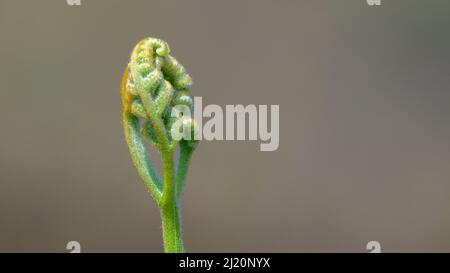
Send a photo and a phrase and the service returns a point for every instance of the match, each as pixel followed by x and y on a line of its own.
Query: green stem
pixel 172 237
pixel 170 215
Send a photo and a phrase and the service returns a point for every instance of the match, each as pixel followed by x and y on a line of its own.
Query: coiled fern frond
pixel 153 84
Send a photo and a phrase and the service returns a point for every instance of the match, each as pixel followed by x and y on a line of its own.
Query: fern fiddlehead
pixel 152 85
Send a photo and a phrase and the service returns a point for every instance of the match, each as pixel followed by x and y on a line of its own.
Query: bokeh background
pixel 364 95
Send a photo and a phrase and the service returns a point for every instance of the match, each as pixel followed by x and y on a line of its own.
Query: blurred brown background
pixel 364 96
